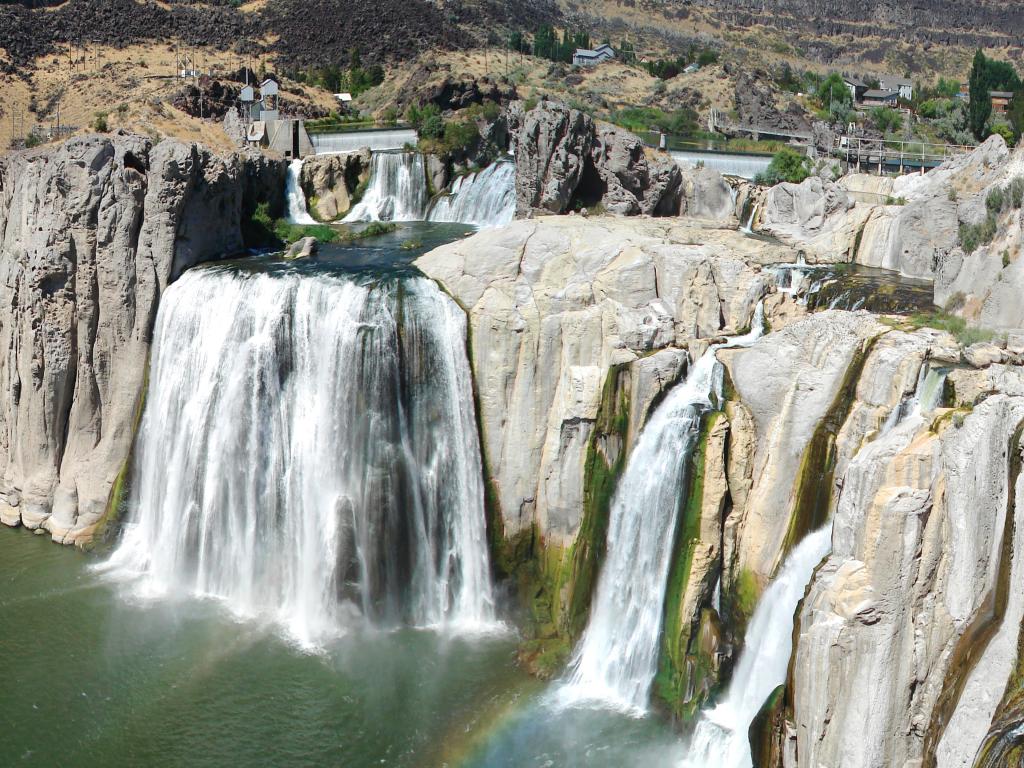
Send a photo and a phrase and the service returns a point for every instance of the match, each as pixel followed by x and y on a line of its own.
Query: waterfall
pixel 748 228
pixel 926 397
pixel 297 213
pixel 309 454
pixel 720 739
pixel 397 190
pixel 617 657
pixel 485 199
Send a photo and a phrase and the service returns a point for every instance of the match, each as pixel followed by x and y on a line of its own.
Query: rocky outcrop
pixel 92 232
pixel 330 181
pixel 706 195
pixel 947 225
pixel 566 161
pixel 916 543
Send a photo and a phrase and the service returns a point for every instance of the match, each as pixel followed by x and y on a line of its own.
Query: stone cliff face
pixel 91 234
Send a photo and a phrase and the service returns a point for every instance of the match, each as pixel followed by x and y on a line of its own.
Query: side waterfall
pixel 397 190
pixel 720 739
pixel 297 211
pixel 617 657
pixel 309 453
pixel 485 199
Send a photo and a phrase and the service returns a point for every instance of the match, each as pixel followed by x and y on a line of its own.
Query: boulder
pixel 303 248
pixel 635 180
pixel 552 147
pixel 331 180
pixel 983 354
pixel 706 195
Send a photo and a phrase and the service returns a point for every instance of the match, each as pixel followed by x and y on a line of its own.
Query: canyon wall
pixel 92 232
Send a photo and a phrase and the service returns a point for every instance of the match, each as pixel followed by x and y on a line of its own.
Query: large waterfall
pixel 297 212
pixel 486 198
pixel 618 654
pixel 720 739
pixel 397 190
pixel 309 453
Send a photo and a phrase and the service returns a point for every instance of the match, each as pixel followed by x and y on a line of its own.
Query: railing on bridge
pixel 881 155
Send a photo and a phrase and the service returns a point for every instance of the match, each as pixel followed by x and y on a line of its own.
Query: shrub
pixel 886 119
pixel 432 128
pixel 994 200
pixel 1006 258
pixel 32 140
pixel 1016 192
pixel 99 124
pixel 974 235
pixel 786 165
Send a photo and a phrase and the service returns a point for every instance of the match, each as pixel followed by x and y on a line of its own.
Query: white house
pixel 585 57
pixel 899 85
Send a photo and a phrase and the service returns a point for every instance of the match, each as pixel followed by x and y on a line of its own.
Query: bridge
pixel 883 156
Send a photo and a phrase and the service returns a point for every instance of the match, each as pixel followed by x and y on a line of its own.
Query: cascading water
pixel 618 654
pixel 748 228
pixel 309 453
pixel 297 212
pixel 926 396
pixel 397 190
pixel 720 739
pixel 484 199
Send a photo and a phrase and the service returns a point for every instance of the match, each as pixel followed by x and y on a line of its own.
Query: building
pixel 287 137
pixel 880 98
pixel 856 87
pixel 584 57
pixel 903 87
pixel 1000 101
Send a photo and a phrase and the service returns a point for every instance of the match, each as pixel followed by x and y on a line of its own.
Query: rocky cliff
pixel 909 627
pixel 91 233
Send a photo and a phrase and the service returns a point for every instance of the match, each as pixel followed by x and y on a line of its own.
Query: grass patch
pixel 943 321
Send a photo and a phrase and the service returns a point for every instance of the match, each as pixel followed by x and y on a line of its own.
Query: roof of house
pixel 1000 94
pixel 602 50
pixel 856 82
pixel 880 94
pixel 899 82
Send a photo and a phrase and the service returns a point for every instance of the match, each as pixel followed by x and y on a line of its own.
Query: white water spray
pixel 297 212
pixel 617 657
pixel 309 454
pixel 397 190
pixel 720 739
pixel 484 199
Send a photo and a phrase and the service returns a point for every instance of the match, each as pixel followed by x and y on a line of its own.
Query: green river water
pixel 91 678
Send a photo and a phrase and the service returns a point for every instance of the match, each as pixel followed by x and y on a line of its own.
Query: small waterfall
pixel 926 397
pixel 484 199
pixel 748 228
pixel 618 654
pixel 720 739
pixel 297 212
pixel 309 453
pixel 790 277
pixel 397 190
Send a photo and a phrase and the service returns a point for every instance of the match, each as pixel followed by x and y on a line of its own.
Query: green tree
pixel 980 108
pixel 1015 114
pixel 834 95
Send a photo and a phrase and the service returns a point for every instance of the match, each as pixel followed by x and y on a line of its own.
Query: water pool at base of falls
pixel 92 680
pixel 100 671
